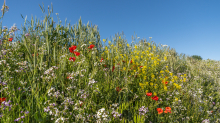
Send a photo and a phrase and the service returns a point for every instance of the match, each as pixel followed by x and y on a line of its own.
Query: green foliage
pixel 197 57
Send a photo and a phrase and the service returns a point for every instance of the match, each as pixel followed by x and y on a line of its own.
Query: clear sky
pixel 191 27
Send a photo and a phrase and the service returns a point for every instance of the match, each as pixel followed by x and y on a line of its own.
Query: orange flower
pixel 33 54
pixel 2 99
pixel 160 111
pixel 10 39
pixel 68 77
pixel 168 109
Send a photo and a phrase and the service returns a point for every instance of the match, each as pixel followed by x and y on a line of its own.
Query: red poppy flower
pixel 77 53
pixel 71 49
pixel 113 68
pixel 149 94
pixel 91 46
pixel 117 89
pixel 101 60
pixel 155 98
pixel 159 110
pixel 2 99
pixel 10 39
pixel 72 58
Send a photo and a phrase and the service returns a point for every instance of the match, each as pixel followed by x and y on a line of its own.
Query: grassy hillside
pixel 65 74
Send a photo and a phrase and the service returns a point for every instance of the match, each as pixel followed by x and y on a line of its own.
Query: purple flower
pixel 26 112
pixel 27 34
pixel 17 119
pixel 213 103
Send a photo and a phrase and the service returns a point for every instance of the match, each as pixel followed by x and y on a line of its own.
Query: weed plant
pixel 65 74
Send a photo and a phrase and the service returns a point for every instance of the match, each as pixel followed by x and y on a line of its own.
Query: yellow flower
pixel 155 94
pixel 171 74
pixel 165 58
pixel 135 47
pixel 119 37
pixel 165 88
pixel 146 91
pixel 90 42
pixel 109 42
pixel 176 99
pixel 128 45
pixel 151 83
pixel 104 40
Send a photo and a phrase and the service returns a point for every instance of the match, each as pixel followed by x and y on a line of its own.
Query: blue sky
pixel 191 27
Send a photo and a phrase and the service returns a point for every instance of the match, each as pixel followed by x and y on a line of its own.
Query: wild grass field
pixel 65 74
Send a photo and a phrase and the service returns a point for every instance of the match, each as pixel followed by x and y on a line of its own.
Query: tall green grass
pixel 65 74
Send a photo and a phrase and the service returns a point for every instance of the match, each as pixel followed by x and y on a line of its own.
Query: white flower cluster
pixel 102 115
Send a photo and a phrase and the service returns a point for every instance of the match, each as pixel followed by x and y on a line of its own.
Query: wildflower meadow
pixel 61 74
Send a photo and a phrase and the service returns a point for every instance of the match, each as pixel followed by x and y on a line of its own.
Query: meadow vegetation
pixel 66 74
